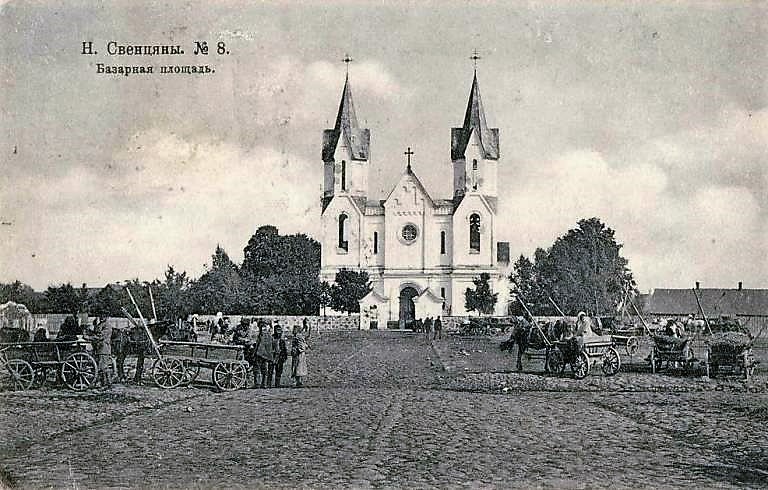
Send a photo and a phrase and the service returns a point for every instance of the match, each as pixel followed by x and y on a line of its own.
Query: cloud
pixel 370 77
pixel 714 234
pixel 170 202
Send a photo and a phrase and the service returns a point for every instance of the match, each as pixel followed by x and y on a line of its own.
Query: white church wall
pixel 407 205
pixel 434 224
pixel 333 257
pixel 356 172
pixel 463 255
pixel 374 255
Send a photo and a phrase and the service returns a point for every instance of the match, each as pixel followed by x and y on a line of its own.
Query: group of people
pixel 432 328
pixel 266 351
pixel 100 336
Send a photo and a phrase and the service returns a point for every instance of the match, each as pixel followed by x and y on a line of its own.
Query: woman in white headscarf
pixel 299 346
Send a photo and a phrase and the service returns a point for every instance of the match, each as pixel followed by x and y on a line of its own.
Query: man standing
pixel 438 329
pixel 264 354
pixel 280 352
pixel 103 350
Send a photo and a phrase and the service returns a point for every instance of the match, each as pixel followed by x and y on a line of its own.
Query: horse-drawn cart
pixel 180 364
pixel 25 364
pixel 600 349
pixel 730 350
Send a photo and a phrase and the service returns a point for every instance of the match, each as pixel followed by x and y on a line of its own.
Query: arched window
pixel 375 242
pixel 474 174
pixel 343 175
pixel 474 232
pixel 343 243
pixel 442 243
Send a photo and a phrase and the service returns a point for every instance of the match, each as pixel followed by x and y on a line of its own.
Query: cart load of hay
pixel 729 343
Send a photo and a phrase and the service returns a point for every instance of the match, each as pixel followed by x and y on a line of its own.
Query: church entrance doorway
pixel 407 308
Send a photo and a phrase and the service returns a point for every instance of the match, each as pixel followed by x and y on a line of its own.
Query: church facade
pixel 420 252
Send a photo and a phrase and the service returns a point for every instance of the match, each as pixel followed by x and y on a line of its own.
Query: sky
pixel 650 115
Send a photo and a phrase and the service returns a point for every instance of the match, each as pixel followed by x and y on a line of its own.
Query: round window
pixel 410 232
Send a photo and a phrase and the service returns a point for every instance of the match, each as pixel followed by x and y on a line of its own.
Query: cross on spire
pixel 347 60
pixel 475 56
pixel 408 154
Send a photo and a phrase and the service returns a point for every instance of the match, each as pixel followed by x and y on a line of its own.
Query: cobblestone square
pixel 380 411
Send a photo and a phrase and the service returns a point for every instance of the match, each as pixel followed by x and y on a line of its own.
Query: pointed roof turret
pixel 474 119
pixel 357 140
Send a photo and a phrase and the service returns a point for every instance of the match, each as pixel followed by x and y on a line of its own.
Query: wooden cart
pixel 600 349
pixel 179 363
pixel 674 351
pixel 24 364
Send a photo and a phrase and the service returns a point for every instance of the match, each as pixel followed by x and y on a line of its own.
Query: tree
pixel 63 299
pixel 18 292
pixel 171 295
pixel 349 288
pixel 269 253
pixel 220 288
pixel 109 300
pixel 582 271
pixel 324 296
pixel 481 299
pixel 280 273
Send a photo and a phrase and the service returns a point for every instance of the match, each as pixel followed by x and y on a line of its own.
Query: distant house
pixel 751 305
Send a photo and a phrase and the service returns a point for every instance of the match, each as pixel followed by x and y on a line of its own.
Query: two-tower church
pixel 420 252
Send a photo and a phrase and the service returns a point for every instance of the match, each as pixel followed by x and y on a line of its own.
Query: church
pixel 420 252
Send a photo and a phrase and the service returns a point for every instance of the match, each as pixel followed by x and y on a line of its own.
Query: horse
pixel 526 335
pixel 11 335
pixel 134 342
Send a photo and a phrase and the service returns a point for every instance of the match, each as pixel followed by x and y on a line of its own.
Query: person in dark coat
pixel 428 327
pixel 102 347
pixel 438 326
pixel 280 352
pixel 41 335
pixel 70 329
pixel 264 354
pixel 240 335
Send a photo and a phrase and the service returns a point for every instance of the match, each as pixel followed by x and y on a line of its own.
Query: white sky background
pixel 651 116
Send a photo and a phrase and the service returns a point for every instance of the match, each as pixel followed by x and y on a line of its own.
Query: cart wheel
pixel 229 377
pixel 168 373
pixel 79 371
pixel 556 362
pixel 580 366
pixel 633 345
pixel 17 374
pixel 191 373
pixel 611 362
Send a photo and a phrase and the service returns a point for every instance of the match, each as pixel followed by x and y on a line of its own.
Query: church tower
pixel 475 151
pixel 345 153
pixel 345 185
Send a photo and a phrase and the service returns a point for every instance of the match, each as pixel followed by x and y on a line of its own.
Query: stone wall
pixel 340 322
pixel 53 321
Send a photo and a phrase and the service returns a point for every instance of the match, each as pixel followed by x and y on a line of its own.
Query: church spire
pixel 355 139
pixel 474 120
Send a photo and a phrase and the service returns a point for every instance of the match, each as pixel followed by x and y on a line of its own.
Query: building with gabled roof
pixel 417 249
pixel 751 305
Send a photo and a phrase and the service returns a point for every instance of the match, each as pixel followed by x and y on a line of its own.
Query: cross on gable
pixel 408 154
